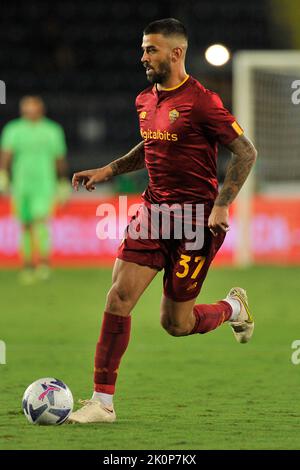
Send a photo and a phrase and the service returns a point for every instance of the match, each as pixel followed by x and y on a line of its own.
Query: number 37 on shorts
pixel 184 279
pixel 185 263
pixel 187 271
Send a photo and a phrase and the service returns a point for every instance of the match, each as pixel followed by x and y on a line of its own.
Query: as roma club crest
pixel 173 115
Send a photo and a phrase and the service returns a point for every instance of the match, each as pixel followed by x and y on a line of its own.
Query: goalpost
pixel 262 102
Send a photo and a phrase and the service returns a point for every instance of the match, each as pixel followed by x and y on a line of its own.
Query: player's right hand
pixel 89 178
pixel 218 220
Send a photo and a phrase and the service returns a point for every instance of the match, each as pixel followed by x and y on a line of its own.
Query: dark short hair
pixel 166 27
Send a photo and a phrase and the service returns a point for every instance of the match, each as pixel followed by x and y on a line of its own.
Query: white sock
pixel 105 398
pixel 236 308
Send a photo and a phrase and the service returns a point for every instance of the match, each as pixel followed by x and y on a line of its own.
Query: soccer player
pixel 181 123
pixel 33 148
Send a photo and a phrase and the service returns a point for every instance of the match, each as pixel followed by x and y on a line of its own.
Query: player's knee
pixel 164 321
pixel 118 300
pixel 177 330
pixel 172 328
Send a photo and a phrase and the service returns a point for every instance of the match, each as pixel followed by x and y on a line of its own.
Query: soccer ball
pixel 47 401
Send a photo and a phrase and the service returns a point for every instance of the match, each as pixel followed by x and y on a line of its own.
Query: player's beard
pixel 161 75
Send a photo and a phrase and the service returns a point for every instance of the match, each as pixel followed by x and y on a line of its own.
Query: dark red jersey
pixel 181 128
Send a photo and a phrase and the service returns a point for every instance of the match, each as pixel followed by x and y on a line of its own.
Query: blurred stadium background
pixel 83 58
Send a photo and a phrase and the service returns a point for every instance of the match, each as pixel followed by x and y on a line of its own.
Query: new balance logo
pixel 193 286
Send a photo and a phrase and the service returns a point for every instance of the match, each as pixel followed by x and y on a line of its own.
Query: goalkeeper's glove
pixel 63 191
pixel 4 181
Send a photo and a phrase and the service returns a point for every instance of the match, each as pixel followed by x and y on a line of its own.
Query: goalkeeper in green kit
pixel 33 152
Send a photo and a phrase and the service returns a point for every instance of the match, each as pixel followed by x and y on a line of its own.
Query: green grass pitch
pixel 198 392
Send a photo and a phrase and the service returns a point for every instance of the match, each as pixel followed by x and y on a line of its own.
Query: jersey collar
pixel 175 87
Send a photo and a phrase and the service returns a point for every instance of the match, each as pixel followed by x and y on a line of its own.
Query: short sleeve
pixel 8 138
pixel 216 121
pixel 60 146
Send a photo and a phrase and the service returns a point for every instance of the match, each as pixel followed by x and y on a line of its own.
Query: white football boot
pixel 92 411
pixel 243 326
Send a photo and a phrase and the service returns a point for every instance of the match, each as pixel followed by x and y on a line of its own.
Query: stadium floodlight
pixel 217 55
pixel 262 102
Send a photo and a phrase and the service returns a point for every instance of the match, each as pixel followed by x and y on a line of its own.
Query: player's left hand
pixel 218 220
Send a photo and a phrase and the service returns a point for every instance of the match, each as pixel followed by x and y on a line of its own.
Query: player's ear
pixel 176 54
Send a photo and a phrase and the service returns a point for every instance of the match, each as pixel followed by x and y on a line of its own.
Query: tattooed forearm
pixel 243 158
pixel 133 160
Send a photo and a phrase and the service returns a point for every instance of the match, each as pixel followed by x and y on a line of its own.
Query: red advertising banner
pixel 275 231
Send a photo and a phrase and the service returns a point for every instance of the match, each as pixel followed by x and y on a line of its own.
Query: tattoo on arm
pixel 133 160
pixel 242 160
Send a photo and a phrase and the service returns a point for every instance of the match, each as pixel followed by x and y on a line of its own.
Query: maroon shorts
pixel 185 270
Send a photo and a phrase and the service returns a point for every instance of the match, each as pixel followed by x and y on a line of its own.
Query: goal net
pixel 262 94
